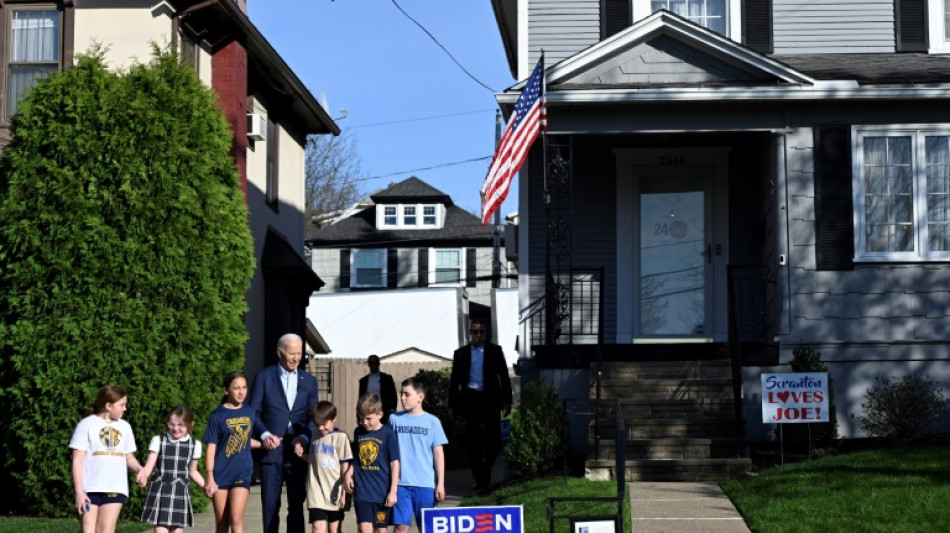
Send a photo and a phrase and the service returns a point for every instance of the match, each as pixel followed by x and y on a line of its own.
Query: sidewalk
pixel 674 507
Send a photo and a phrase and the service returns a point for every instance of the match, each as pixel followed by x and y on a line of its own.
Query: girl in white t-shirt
pixel 103 447
pixel 174 458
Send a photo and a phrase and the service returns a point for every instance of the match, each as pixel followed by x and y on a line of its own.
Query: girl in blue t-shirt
pixel 229 463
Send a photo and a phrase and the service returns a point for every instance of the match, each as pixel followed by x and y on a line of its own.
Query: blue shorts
pixel 375 513
pixel 102 498
pixel 238 484
pixel 410 501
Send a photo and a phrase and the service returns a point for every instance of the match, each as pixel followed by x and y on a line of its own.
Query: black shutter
pixel 911 25
pixel 392 268
pixel 470 267
pixel 344 269
pixel 834 210
pixel 423 267
pixel 757 25
pixel 615 17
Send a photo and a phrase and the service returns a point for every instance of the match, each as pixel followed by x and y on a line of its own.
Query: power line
pixel 443 165
pixel 433 117
pixel 436 41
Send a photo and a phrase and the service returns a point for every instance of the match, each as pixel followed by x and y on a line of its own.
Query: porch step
pixel 685 448
pixel 669 428
pixel 672 469
pixel 705 369
pixel 672 389
pixel 678 408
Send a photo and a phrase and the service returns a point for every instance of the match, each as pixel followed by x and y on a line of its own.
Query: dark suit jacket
pixel 495 376
pixel 387 388
pixel 268 400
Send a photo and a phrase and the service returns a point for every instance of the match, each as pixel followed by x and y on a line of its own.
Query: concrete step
pixel 679 448
pixel 673 389
pixel 671 469
pixel 659 428
pixel 680 408
pixel 717 368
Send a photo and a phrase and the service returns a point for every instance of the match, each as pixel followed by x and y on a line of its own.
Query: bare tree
pixel 334 173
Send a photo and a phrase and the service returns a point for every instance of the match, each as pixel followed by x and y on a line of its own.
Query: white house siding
pixel 126 30
pixel 817 26
pixel 561 28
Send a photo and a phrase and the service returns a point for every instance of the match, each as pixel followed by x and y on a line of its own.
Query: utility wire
pixel 436 41
pixel 443 165
pixel 433 117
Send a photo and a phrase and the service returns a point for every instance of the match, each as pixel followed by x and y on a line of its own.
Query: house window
pixel 389 215
pixel 902 194
pixel 369 268
pixel 271 195
pixel 428 215
pixel 708 13
pixel 448 266
pixel 409 215
pixel 34 50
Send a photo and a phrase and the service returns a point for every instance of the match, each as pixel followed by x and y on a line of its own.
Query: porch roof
pixel 866 69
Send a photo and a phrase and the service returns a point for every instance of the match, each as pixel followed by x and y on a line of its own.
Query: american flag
pixel 528 120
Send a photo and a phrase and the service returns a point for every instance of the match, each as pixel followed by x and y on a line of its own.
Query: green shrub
pixel 818 434
pixel 125 256
pixel 902 408
pixel 537 431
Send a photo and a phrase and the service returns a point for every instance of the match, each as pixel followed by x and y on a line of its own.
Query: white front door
pixel 671 235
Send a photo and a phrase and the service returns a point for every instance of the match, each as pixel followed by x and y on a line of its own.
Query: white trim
pixel 663 22
pixel 938 43
pixel 523 67
pixel 354 279
pixel 400 217
pixel 917 133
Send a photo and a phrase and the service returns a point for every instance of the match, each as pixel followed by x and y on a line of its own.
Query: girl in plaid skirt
pixel 174 458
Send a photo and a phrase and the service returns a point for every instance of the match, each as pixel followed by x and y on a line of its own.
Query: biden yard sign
pixel 503 519
pixel 795 398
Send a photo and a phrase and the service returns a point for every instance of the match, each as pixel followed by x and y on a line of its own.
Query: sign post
pixel 500 519
pixel 794 398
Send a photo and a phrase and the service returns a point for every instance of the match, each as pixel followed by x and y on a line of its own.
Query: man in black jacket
pixel 479 390
pixel 382 384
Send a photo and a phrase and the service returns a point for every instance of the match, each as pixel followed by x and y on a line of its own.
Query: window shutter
pixel 911 25
pixel 615 17
pixel 392 268
pixel 470 267
pixel 345 268
pixel 834 212
pixel 423 267
pixel 757 25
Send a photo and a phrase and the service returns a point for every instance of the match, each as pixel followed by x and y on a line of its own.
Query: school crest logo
pixel 381 517
pixel 110 437
pixel 240 431
pixel 369 451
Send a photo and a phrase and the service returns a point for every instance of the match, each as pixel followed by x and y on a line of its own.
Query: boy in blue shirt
pixel 376 471
pixel 422 472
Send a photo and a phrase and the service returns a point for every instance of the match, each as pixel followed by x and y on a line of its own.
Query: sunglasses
pixel 478 332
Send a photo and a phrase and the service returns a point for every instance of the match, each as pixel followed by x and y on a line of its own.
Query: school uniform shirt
pixel 230 431
pixel 106 444
pixel 324 479
pixel 373 451
pixel 417 435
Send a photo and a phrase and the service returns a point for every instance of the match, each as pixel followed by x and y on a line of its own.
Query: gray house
pixel 409 235
pixel 727 181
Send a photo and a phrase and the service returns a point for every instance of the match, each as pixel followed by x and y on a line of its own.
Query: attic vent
pixel 256 127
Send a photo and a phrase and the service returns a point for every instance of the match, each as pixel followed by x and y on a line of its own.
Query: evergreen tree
pixel 125 256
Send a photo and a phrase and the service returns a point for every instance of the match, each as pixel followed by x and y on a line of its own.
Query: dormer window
pixel 410 216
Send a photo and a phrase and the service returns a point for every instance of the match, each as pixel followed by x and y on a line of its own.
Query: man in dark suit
pixel 479 390
pixel 282 396
pixel 382 384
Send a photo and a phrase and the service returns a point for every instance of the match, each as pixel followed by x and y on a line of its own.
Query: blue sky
pixel 367 57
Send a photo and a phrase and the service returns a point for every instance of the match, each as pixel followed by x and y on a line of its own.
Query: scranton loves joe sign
pixel 505 519
pixel 795 398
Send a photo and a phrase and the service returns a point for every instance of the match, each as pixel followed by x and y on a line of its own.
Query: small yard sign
pixel 795 398
pixel 501 519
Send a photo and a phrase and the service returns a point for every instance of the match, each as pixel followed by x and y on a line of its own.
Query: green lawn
pixel 532 495
pixel 43 525
pixel 899 490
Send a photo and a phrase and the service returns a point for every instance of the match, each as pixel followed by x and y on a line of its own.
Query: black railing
pixel 570 312
pixel 599 409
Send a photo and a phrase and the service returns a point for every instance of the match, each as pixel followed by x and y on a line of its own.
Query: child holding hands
pixel 376 472
pixel 174 458
pixel 329 457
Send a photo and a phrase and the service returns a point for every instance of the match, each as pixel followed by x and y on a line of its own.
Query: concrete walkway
pixel 655 507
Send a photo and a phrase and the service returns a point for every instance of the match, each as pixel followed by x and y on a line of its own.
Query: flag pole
pixel 496 233
pixel 544 135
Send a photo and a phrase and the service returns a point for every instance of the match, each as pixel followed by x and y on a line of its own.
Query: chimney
pixel 242 4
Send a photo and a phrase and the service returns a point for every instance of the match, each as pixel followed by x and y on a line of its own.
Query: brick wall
pixel 229 80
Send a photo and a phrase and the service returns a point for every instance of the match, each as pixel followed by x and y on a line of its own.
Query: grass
pixel 532 495
pixel 45 525
pixel 899 489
